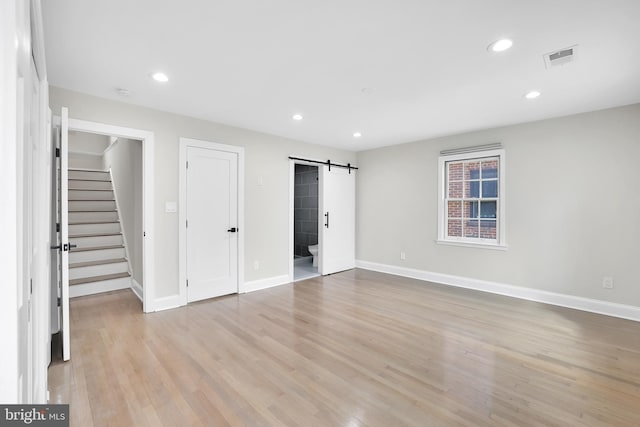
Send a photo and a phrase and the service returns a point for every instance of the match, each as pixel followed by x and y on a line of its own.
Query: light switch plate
pixel 170 207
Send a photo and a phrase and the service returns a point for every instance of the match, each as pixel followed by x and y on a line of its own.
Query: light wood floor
pixel 353 349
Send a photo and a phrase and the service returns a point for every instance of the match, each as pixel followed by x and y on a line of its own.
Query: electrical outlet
pixel 256 265
pixel 403 255
pixel 607 282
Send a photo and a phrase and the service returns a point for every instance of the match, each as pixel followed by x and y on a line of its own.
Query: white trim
pixel 167 303
pixel 136 288
pixel 182 202
pixel 99 287
pixel 473 245
pixel 501 242
pixel 269 282
pixel 563 300
pixel 122 230
pixel 148 192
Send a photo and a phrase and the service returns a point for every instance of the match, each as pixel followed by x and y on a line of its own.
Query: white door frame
pixel 148 264
pixel 182 203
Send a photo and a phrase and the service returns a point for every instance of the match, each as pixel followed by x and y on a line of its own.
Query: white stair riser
pixel 89 185
pixel 93 216
pixel 94 228
pixel 98 270
pixel 90 195
pixel 90 175
pixel 89 242
pixel 92 206
pixel 97 287
pixel 97 255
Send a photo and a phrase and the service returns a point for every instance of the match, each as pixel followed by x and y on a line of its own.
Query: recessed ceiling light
pixel 532 94
pixel 357 134
pixel 297 117
pixel 160 77
pixel 500 45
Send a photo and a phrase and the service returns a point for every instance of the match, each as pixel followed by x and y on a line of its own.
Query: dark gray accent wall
pixel 305 213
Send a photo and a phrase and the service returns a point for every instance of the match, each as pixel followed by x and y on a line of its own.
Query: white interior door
pixel 338 219
pixel 64 236
pixel 212 220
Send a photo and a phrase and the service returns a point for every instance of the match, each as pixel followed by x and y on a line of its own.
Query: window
pixel 472 198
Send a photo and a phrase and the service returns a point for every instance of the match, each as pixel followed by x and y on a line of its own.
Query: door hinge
pixel 59 302
pixel 187 283
pixel 57 152
pixel 31 286
pixel 57 227
pixel 187 164
pixel 186 223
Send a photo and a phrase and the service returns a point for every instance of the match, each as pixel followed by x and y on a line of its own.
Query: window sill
pixel 495 247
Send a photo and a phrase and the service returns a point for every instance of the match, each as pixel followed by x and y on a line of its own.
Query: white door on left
pixel 212 221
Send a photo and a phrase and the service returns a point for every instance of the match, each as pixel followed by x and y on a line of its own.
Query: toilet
pixel 314 251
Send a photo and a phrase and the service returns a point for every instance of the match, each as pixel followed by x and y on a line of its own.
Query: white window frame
pixel 500 242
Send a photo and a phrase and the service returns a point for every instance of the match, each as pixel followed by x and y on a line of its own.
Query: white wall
pixel 85 150
pixel 572 206
pixel 124 158
pixel 266 206
pixel 84 161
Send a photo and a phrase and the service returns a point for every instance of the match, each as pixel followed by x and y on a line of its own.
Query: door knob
pixel 232 230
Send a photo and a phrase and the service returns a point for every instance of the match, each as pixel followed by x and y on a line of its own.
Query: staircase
pixel 99 262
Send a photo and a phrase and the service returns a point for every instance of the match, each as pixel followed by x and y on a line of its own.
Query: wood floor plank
pixel 356 348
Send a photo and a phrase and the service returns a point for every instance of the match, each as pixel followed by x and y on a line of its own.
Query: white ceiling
pixel 254 63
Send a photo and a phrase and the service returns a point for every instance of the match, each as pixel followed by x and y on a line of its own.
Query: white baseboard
pixel 137 289
pixel 167 303
pixel 580 303
pixel 269 282
pixel 99 287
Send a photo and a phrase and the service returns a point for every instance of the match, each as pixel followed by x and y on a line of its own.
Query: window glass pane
pixel 489 189
pixel 472 170
pixel 455 171
pixel 490 168
pixel 488 229
pixel 455 190
pixel 470 209
pixel 454 209
pixel 454 228
pixel 470 228
pixel 488 209
pixel 472 189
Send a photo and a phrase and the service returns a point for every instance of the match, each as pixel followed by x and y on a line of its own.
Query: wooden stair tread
pixel 91 200
pixel 97 248
pixel 77 236
pixel 88 189
pixel 89 180
pixel 94 222
pixel 98 278
pixel 99 262
pixel 88 170
pixel 105 210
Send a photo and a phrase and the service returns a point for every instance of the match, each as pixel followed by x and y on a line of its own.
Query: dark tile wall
pixel 305 212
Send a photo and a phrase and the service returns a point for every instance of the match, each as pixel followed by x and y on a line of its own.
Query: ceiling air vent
pixel 560 57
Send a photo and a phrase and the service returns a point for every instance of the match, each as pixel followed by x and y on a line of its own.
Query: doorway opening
pixel 305 221
pixel 89 196
pixel 105 213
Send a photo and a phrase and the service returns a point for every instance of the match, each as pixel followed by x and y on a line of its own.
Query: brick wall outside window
pixel 472 198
